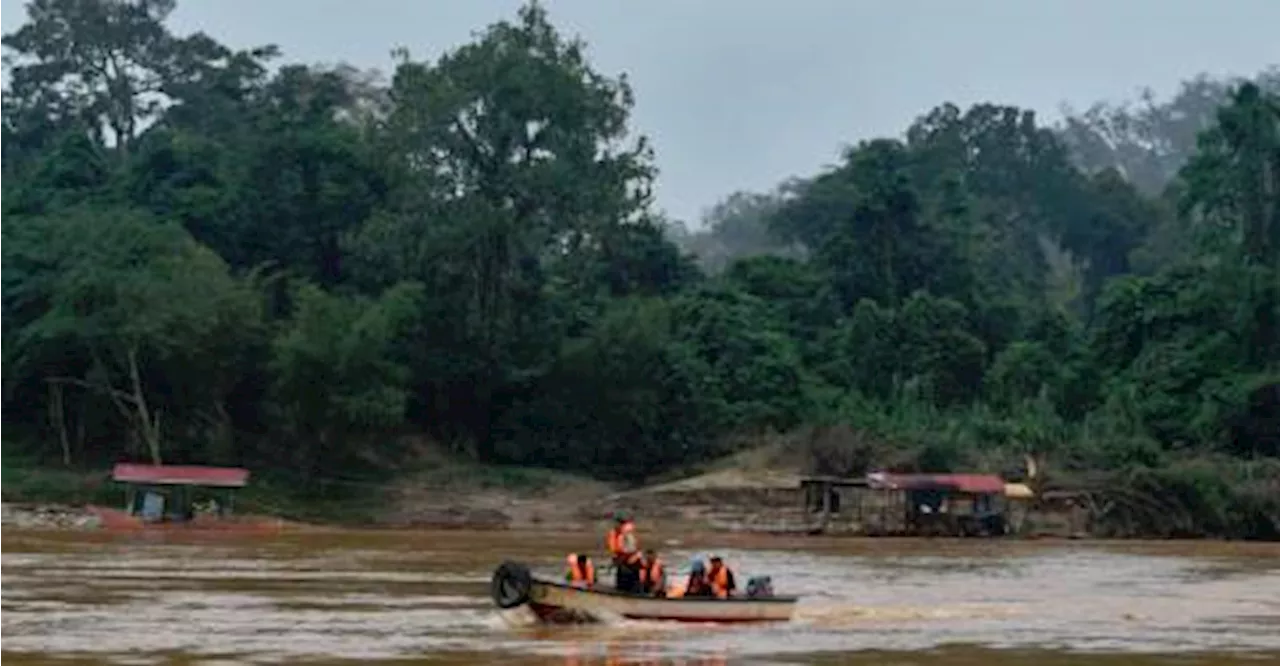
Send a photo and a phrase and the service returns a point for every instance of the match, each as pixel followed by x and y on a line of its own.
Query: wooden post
pixel 862 506
pixel 826 506
pixel 885 499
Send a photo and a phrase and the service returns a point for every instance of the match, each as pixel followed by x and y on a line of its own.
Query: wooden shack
pixel 914 505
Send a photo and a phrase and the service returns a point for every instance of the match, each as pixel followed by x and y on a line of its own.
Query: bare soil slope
pixel 446 492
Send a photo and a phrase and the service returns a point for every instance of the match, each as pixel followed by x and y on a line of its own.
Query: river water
pixel 421 597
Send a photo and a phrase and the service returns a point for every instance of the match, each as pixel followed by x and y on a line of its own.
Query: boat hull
pixel 116 520
pixel 555 602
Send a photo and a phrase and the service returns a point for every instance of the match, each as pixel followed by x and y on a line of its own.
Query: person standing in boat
pixel 624 548
pixel 653 577
pixel 582 572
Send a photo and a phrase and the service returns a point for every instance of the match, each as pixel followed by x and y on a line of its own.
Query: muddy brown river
pixel 422 598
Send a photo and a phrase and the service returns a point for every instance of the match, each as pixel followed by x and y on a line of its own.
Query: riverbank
pixel 436 492
pixel 46 517
pixel 756 491
pixel 446 494
pixel 570 506
pixel 443 492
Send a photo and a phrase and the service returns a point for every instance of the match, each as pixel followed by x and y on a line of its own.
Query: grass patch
pixel 468 476
pixel 360 499
pixel 21 483
pixel 264 495
pixel 308 507
pixel 350 501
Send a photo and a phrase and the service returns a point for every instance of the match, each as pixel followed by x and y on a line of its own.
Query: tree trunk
pixel 57 418
pixel 132 404
pixel 148 423
pixel 81 418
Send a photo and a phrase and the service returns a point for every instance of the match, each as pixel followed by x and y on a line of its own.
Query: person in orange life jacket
pixel 653 576
pixel 581 572
pixel 696 585
pixel 623 547
pixel 721 578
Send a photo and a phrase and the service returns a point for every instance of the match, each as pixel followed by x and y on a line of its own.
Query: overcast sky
pixel 740 94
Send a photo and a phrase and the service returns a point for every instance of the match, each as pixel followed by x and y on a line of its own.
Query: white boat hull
pixel 551 601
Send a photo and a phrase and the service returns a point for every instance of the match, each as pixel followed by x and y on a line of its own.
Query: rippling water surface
pixel 422 597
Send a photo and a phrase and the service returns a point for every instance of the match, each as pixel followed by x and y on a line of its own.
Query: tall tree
pixel 511 157
pixel 1235 180
pixel 106 65
pixel 121 306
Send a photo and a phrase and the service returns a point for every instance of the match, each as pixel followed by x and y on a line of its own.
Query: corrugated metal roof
pixel 181 475
pixel 964 483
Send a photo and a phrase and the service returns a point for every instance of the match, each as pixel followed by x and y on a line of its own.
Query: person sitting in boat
pixel 582 572
pixel 697 585
pixel 653 577
pixel 721 578
pixel 625 551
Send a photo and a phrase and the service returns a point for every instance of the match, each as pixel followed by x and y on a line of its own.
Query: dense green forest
pixel 209 256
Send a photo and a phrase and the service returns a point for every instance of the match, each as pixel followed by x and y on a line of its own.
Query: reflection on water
pixel 421 597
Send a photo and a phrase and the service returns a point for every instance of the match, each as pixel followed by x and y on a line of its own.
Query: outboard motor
pixel 760 586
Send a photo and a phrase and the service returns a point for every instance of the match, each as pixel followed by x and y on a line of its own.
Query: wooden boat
pixel 162 497
pixel 513 585
pixel 116 520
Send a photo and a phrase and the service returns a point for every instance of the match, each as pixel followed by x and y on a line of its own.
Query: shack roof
pixel 834 481
pixel 181 475
pixel 962 483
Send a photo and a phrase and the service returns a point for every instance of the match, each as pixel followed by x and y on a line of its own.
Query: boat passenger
pixel 696 585
pixel 653 575
pixel 721 578
pixel 581 572
pixel 625 551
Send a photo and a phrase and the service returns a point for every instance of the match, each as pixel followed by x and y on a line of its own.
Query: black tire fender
pixel 510 585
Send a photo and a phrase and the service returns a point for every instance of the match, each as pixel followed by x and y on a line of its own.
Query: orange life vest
pixel 676 590
pixel 719 578
pixel 690 587
pixel 621 542
pixel 652 576
pixel 581 576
